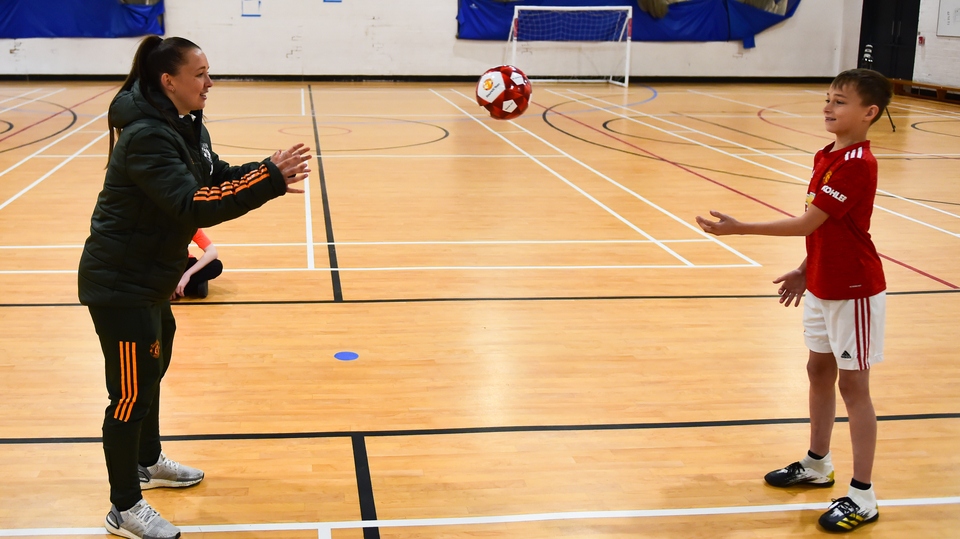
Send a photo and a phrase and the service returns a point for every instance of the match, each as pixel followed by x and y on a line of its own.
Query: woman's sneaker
pixel 797 474
pixel 139 522
pixel 168 473
pixel 844 515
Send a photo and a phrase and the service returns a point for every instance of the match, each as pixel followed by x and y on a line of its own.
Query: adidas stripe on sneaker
pixel 844 515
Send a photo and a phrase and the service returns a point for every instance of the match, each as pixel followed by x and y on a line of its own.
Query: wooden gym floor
pixel 548 345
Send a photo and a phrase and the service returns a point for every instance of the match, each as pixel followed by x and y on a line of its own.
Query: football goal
pixel 572 43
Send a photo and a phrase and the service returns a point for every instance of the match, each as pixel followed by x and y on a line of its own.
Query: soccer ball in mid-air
pixel 504 91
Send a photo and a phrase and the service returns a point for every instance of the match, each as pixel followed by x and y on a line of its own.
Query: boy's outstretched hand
pixel 724 226
pixel 792 287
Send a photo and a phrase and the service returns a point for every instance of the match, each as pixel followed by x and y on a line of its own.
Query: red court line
pixel 872 146
pixel 56 114
pixel 741 193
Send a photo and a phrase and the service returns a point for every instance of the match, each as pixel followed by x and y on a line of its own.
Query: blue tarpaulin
pixel 78 18
pixel 693 20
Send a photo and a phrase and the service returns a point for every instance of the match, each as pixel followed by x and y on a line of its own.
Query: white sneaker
pixel 168 473
pixel 139 522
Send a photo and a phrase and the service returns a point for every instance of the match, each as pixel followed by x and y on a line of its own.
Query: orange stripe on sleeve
pixel 205 194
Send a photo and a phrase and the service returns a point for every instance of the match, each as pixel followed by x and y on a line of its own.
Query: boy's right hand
pixel 723 226
pixel 792 287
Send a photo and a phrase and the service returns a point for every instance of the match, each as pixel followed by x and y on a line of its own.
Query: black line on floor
pixel 327 221
pixel 368 507
pixel 454 300
pixel 479 430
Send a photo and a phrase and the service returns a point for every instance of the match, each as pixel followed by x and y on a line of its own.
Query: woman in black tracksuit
pixel 163 182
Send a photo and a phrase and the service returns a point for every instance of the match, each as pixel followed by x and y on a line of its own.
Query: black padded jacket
pixel 163 181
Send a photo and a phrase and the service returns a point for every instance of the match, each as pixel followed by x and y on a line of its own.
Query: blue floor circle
pixel 346 356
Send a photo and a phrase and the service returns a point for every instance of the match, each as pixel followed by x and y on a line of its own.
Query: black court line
pixel 368 507
pixel 476 299
pixel 327 220
pixel 353 435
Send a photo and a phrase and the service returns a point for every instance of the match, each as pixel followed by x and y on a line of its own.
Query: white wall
pixel 937 61
pixel 417 37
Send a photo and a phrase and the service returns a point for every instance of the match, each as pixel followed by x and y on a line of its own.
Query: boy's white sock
pixel 866 499
pixel 823 466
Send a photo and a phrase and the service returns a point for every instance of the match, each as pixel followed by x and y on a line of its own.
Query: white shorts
pixel 850 329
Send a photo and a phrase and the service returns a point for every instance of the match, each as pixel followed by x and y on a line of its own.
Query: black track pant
pixel 137 343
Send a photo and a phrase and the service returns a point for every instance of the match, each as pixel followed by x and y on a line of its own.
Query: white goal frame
pixel 624 38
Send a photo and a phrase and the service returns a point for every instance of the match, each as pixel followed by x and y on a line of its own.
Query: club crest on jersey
pixel 826 177
pixel 834 193
pixel 205 148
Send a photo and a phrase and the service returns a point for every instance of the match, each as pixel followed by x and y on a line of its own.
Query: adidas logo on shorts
pixel 845 355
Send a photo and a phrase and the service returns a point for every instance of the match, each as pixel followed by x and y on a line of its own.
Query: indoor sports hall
pixel 468 327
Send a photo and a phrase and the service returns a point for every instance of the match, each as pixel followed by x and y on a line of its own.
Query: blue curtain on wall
pixel 694 20
pixel 78 18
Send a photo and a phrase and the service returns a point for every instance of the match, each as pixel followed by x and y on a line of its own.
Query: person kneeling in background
pixel 194 282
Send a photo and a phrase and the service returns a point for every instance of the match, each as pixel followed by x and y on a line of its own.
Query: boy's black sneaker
pixel 844 515
pixel 797 474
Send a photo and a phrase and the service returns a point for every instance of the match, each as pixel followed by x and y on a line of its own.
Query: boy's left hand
pixel 724 226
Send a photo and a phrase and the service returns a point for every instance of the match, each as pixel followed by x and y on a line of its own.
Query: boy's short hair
pixel 872 87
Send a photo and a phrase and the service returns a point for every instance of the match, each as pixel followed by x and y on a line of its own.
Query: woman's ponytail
pixel 155 56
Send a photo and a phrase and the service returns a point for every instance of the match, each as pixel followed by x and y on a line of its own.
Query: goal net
pixel 572 43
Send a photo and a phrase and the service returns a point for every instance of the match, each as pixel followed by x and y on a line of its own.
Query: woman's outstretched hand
pixel 293 164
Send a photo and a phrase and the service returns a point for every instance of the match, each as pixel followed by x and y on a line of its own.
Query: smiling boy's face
pixel 845 111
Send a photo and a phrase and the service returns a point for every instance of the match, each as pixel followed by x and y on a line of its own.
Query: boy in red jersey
pixel 844 311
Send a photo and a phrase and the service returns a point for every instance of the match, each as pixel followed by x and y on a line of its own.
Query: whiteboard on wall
pixel 949 21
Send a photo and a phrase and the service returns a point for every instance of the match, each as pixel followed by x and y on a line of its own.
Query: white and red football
pixel 504 91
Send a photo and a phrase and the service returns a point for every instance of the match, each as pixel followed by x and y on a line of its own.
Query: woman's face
pixel 188 88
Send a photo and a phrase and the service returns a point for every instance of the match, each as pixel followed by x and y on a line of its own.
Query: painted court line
pixel 638 196
pixel 324 528
pixel 429 268
pixel 761 152
pixel 382 243
pixel 41 150
pixel 742 103
pixel 54 169
pixel 559 176
pixel 18 105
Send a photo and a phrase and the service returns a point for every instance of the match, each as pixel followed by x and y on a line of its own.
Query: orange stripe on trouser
pixel 128 381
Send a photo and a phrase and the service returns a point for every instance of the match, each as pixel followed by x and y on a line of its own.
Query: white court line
pixel 221 116
pixel 303 102
pixel 324 528
pixel 18 105
pixel 760 152
pixel 744 103
pixel 41 150
pixel 878 155
pixel 309 223
pixel 405 156
pixel 346 156
pixel 643 199
pixel 54 169
pixel 590 197
pixel 912 107
pixel 21 96
pixel 427 268
pixel 387 243
pixel 926 112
